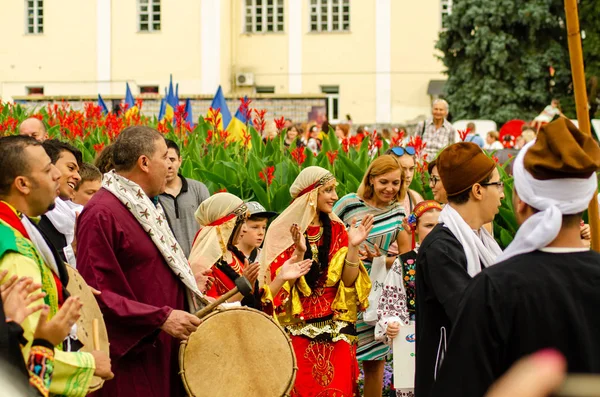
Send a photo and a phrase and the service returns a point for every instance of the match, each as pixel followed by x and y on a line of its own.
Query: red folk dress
pixel 320 321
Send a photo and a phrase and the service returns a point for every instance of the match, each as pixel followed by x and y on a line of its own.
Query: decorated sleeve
pixel 41 366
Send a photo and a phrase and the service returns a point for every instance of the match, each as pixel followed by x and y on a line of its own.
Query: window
pixel 34 16
pixel 35 90
pixel 333 102
pixel 149 15
pixel 148 89
pixel 329 15
pixel 263 16
pixel 446 11
pixel 265 89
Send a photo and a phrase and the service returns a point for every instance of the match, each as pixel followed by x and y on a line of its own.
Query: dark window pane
pixel 40 29
pixel 156 26
pixel 335 108
pixel 280 28
pixel 313 28
pixel 144 17
pixel 269 28
pixel 144 26
pixel 346 26
pixel 248 3
pixel 156 8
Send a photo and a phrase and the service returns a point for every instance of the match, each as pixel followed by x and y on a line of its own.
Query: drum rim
pixel 184 343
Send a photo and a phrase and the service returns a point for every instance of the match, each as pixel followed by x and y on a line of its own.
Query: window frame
pixel 445 11
pixel 151 16
pixel 333 102
pixel 38 13
pixel 250 11
pixel 316 9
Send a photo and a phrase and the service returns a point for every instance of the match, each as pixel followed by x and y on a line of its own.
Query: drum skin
pixel 89 311
pixel 238 352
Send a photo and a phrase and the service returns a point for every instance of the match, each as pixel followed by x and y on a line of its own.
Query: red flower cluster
pixel 259 121
pixel 267 175
pixel 9 125
pixel 246 137
pixel 298 155
pixel 331 156
pixel 279 123
pixel 98 147
pixel 245 108
pixel 417 143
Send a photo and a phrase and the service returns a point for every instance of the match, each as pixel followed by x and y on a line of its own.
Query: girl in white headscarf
pixel 318 309
pixel 221 218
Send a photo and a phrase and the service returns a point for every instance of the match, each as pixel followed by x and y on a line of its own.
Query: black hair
pixel 13 161
pixel 463 197
pixel 173 145
pixel 54 149
pixel 318 268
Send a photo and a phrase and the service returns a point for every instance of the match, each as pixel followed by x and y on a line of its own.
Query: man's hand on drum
pixel 291 270
pixel 180 324
pixel 251 272
pixel 103 365
pixel 18 297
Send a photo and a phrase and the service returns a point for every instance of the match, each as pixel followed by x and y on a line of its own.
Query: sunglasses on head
pixel 401 151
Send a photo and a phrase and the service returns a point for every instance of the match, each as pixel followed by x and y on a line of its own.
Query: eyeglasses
pixel 499 184
pixel 401 151
pixel 433 180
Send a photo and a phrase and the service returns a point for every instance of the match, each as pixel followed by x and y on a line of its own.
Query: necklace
pixel 312 240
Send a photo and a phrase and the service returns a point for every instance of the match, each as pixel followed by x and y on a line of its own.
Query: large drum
pixel 89 311
pixel 238 352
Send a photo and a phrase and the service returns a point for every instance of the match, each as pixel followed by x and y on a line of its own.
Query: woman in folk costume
pixel 397 303
pixel 318 309
pixel 378 195
pixel 221 218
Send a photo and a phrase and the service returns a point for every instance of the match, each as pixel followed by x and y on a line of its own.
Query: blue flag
pixel 189 118
pixel 220 103
pixel 102 104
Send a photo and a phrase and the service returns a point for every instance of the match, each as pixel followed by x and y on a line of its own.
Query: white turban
pixel 553 198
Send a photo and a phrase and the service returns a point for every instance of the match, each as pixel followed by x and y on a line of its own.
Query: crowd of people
pixel 341 276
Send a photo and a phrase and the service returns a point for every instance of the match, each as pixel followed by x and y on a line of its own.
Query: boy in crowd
pixel 90 183
pixel 256 228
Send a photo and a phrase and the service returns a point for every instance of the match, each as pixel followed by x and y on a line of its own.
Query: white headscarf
pixel 553 198
pixel 304 192
pixel 217 217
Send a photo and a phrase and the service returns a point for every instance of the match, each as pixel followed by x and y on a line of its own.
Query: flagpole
pixel 581 102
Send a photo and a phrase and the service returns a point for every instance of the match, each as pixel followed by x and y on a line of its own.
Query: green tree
pixel 500 55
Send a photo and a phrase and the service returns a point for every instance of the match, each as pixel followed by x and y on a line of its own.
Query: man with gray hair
pixel 436 132
pixel 127 250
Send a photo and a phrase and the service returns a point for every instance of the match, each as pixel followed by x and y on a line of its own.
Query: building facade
pixel 371 59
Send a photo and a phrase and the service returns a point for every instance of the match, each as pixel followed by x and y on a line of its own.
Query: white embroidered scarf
pixel 479 250
pixel 152 218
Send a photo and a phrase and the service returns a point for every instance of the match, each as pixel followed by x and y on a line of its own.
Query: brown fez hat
pixel 462 165
pixel 562 151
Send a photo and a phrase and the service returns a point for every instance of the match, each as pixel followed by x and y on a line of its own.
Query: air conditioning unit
pixel 244 79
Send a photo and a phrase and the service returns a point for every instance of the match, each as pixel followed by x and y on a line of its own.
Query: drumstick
pixel 95 334
pixel 242 286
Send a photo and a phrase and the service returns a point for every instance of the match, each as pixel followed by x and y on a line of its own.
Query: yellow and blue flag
pixel 237 126
pixel 219 102
pixel 102 105
pixel 130 102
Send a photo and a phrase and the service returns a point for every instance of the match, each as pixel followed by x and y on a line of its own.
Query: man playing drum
pixel 127 251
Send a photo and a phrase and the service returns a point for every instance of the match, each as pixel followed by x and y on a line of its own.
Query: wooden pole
pixel 581 102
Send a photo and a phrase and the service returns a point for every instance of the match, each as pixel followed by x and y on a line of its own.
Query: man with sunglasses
pixel 456 250
pixel 436 132
pixel 543 292
pixel 406 158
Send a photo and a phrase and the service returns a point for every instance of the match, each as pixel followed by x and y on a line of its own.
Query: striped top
pixel 387 221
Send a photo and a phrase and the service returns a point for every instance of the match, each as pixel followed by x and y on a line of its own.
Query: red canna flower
pixel 162 127
pixel 267 175
pixel 463 134
pixel 222 190
pixel 496 160
pixel 245 108
pixel 331 156
pixel 99 147
pixel 510 156
pixel 279 123
pixel 298 155
pixel 209 135
pixel 246 137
